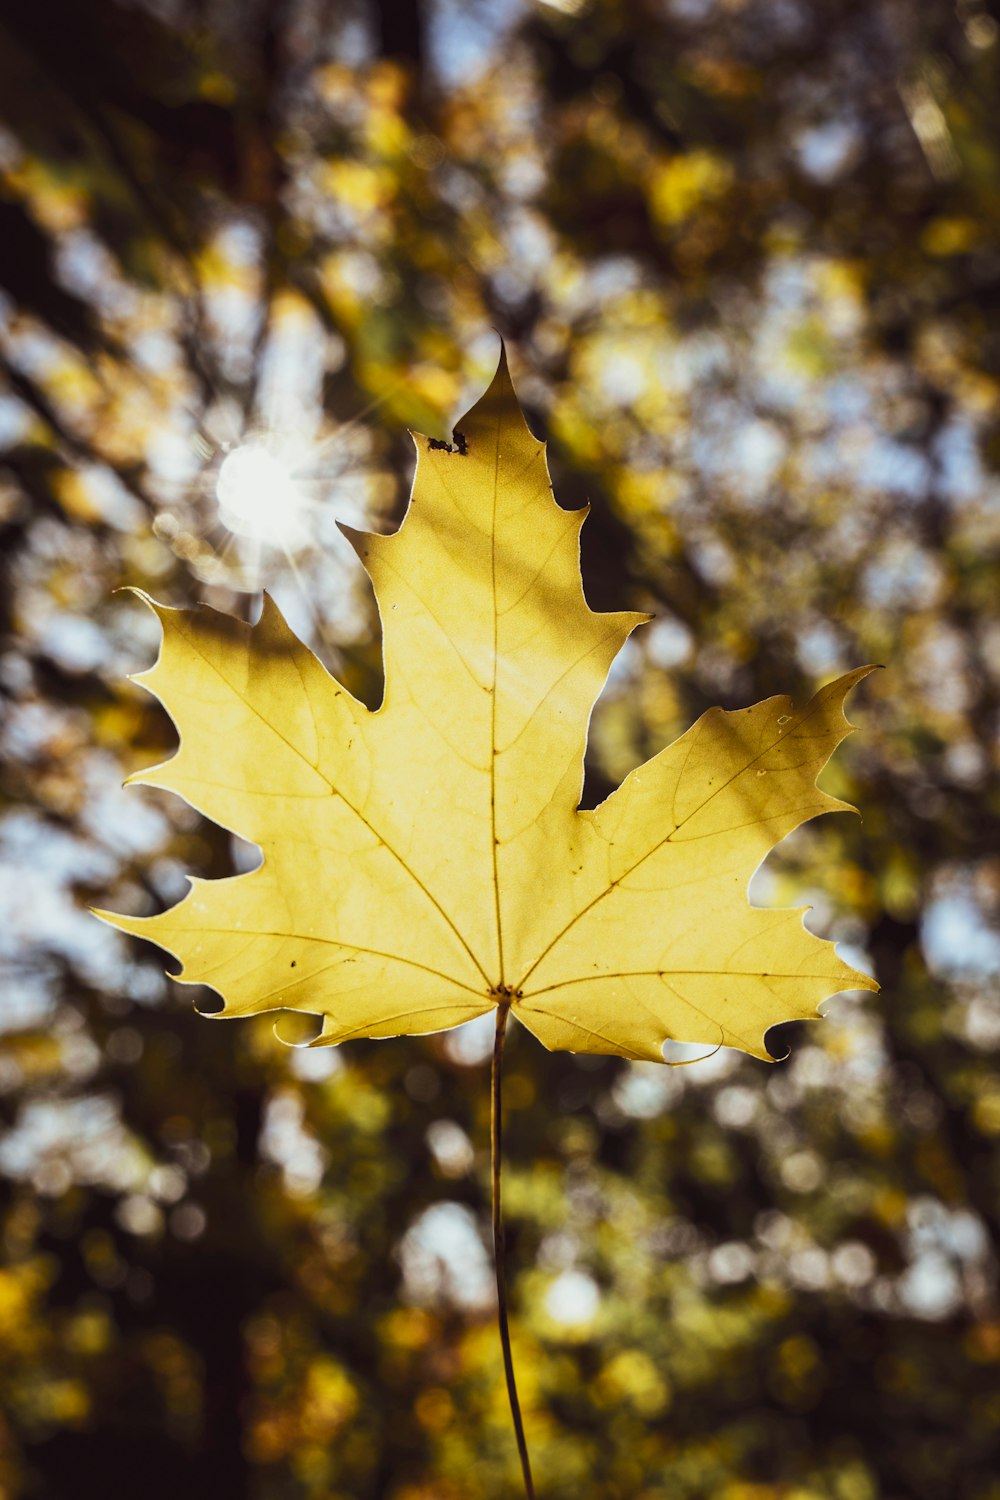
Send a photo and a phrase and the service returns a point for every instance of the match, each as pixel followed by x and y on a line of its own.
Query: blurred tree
pixel 746 259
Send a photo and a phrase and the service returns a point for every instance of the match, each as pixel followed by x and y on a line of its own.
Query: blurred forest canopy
pixel 745 257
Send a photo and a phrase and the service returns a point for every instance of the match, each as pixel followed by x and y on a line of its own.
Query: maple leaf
pixel 428 861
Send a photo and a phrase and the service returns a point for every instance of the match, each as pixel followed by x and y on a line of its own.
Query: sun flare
pixel 259 498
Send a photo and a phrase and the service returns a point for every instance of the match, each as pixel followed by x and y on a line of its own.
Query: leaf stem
pixel 496 1144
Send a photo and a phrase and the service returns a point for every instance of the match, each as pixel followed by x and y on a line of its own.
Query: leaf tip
pixel 146 598
pixel 361 541
pixel 297 1021
pixel 686 1062
pixel 502 379
pixel 120 921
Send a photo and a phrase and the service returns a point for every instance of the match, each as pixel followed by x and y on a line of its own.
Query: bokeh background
pixel 744 254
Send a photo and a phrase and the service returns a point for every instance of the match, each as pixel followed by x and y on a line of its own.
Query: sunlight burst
pixel 259 498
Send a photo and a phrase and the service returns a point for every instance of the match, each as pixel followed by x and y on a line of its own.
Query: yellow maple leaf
pixel 428 861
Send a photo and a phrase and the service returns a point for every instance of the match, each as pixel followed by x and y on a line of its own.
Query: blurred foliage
pixel 746 260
